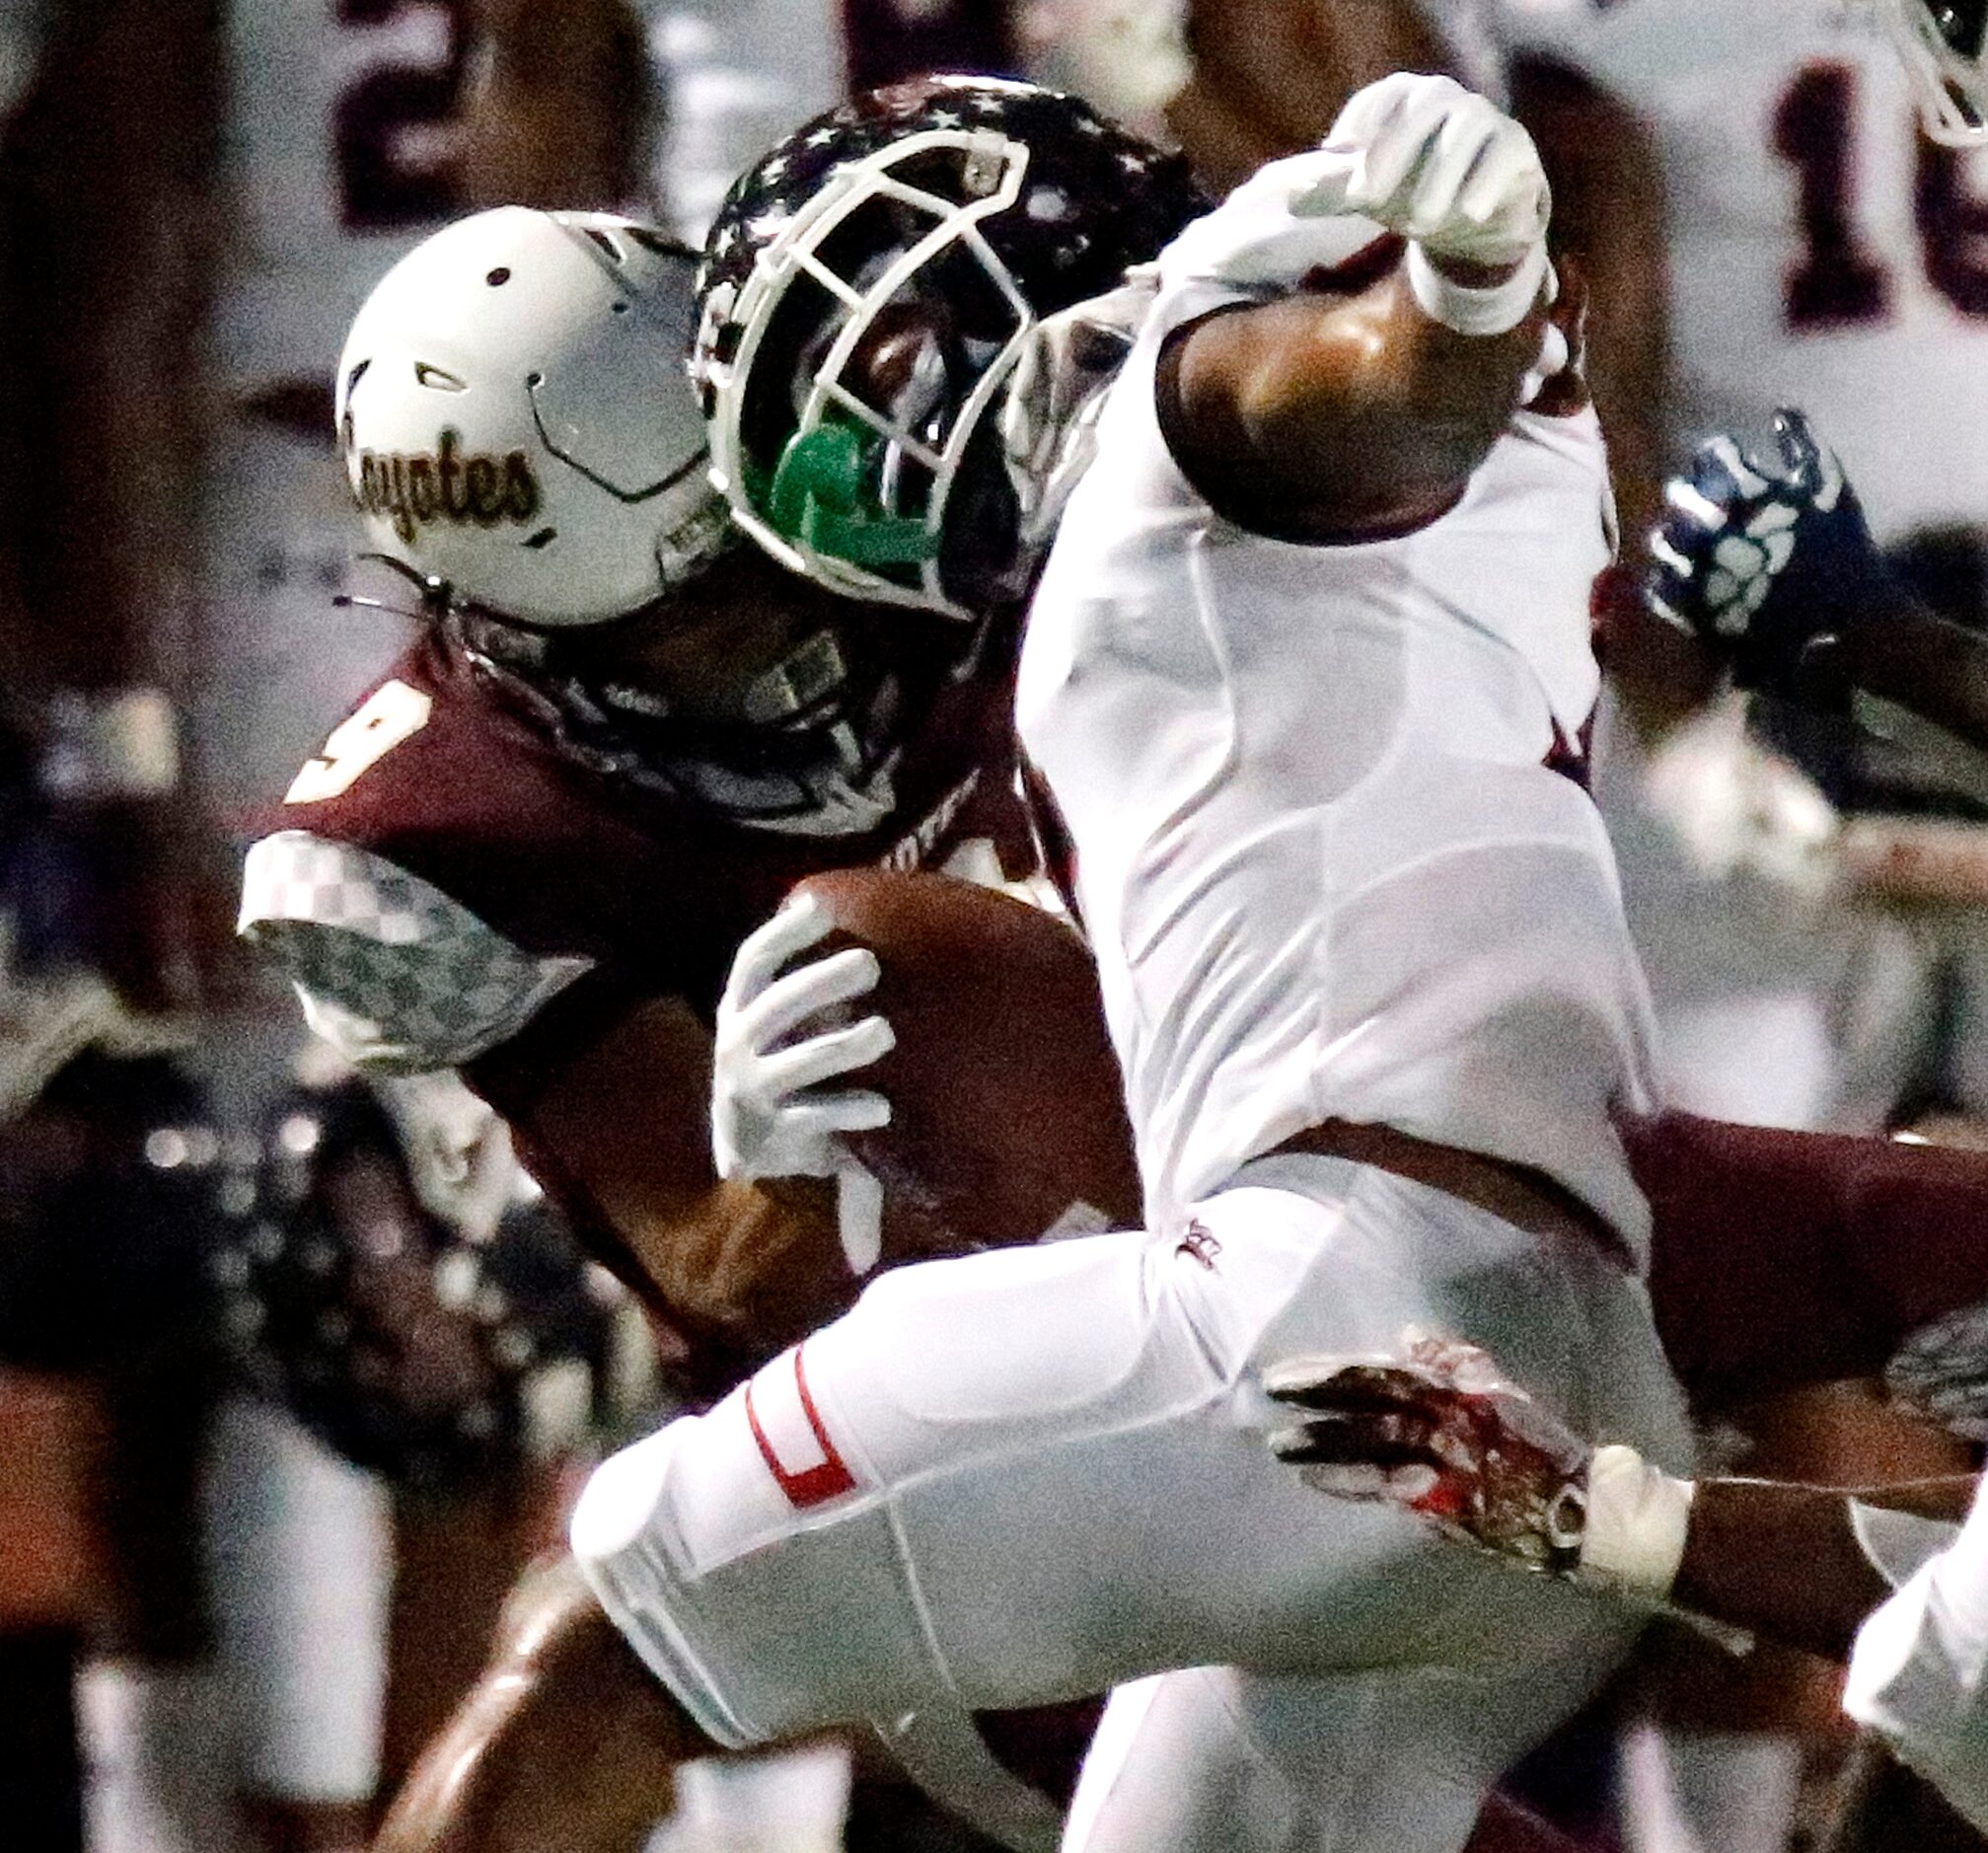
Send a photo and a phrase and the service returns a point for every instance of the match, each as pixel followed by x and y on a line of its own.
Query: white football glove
pixel 1420 156
pixel 771 1116
pixel 1441 165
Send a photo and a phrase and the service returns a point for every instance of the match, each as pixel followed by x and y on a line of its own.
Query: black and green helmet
pixel 867 290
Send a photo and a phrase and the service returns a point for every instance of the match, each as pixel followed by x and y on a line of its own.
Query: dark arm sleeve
pixel 1785 1258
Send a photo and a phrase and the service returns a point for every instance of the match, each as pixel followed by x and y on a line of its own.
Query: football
pixel 1006 1116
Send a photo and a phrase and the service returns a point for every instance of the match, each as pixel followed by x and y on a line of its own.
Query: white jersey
pixel 1823 253
pixel 340 151
pixel 1323 862
pixel 1919 1668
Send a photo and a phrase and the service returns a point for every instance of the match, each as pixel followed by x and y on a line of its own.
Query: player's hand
pixel 1764 561
pixel 1420 156
pixel 1438 164
pixel 1439 1432
pixel 782 1035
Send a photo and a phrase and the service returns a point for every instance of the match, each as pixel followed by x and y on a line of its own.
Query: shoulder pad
pixel 394 974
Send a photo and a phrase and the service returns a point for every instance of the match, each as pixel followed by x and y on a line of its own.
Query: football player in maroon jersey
pixel 532 847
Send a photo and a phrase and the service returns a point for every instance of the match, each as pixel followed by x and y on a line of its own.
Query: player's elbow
pixel 1324 418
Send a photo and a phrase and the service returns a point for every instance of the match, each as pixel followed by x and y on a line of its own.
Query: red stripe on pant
pixel 829 1478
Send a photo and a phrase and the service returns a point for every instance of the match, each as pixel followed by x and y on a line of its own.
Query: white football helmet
pixel 517 423
pixel 1942 42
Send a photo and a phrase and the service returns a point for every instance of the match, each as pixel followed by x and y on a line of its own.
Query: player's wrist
pixel 1638 1521
pixel 1475 297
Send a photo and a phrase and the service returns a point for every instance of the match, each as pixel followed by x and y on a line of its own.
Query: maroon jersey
pixel 452 883
pixel 447 869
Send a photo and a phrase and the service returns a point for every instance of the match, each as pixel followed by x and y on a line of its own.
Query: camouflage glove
pixel 1438 1432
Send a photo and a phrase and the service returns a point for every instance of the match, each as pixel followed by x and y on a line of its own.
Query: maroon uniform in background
pixel 1781 1259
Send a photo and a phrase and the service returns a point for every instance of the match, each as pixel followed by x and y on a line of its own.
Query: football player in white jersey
pixel 1300 677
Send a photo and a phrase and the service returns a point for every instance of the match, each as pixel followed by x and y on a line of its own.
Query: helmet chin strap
pixel 817 500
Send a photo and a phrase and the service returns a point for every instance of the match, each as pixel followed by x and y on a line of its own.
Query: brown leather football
pixel 1005 1104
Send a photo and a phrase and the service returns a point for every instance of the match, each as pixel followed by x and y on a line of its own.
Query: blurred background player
pixel 108 1351
pixel 392 1283
pixel 103 271
pixel 1791 232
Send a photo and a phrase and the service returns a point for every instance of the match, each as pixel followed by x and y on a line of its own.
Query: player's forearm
pixel 557 111
pixel 1357 411
pixel 1779 1561
pixel 565 1745
pixel 622 1124
pixel 1784 1259
pixel 1901 652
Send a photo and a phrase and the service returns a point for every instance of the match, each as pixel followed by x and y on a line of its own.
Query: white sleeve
pixel 1919 1670
pixel 394 974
